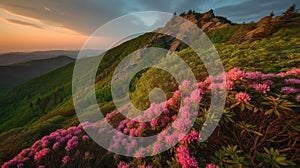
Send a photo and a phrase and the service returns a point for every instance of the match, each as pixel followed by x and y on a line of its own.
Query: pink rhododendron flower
pixel 212 166
pixel 72 143
pixel 66 159
pixel 177 94
pixel 181 124
pixel 268 82
pixel 229 85
pixel 183 157
pixel 56 145
pixel 288 90
pixel 123 165
pixel 191 137
pixel 294 72
pixel 298 97
pixel 116 156
pixel 157 147
pixel 253 75
pixel 20 165
pixel 242 97
pixel 85 137
pixel 235 74
pixel 184 85
pixel 262 88
pixel 171 102
pixel 39 155
pixel 292 81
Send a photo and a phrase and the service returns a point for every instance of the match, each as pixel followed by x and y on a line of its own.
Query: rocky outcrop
pixel 270 24
pixel 206 21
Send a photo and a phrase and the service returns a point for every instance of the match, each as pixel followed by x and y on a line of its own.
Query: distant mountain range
pixel 18 67
pixel 19 57
pixel 12 75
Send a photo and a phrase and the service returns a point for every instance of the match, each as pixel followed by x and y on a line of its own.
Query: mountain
pixel 13 75
pixel 39 106
pixel 206 21
pixel 19 57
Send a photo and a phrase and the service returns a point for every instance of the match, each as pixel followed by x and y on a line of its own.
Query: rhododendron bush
pixel 259 128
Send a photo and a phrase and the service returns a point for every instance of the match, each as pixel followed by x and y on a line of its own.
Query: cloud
pixel 253 10
pixel 23 23
pixel 86 16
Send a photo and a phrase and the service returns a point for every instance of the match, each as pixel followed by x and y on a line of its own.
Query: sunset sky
pixel 66 24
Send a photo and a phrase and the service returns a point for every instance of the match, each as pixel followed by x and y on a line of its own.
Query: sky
pixel 31 25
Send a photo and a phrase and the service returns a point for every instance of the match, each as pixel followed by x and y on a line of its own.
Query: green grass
pixel 44 104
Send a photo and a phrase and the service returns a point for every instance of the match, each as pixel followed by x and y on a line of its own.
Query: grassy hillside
pixel 44 104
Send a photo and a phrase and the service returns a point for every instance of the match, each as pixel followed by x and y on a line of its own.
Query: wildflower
pixel 153 122
pixel 191 137
pixel 235 74
pixel 171 102
pixel 184 85
pixel 183 157
pixel 85 137
pixel 268 82
pixel 124 141
pixel 77 131
pixel 20 165
pixel 268 76
pixel 292 81
pixel 139 154
pixel 298 97
pixel 242 97
pixel 295 72
pixel 39 155
pixel 72 143
pixel 182 124
pixel 177 94
pixel 195 96
pixel 157 147
pixel 288 90
pixel 123 165
pixel 262 88
pixel 116 156
pixel 170 140
pixel 229 85
pixel 56 145
pixel 66 159
pixel 253 75
pixel 212 166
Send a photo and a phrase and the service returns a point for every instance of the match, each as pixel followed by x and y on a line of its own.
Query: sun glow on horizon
pixel 23 33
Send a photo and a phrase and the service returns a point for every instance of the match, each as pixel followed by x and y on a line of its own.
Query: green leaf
pixel 280 158
pixel 276 112
pixel 269 112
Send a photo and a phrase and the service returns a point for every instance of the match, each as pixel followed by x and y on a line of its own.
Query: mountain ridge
pixel 43 104
pixel 15 74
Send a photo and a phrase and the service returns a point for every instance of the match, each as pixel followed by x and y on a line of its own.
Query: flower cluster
pixel 160 116
pixel 242 97
pixel 292 81
pixel 288 90
pixel 66 139
pixel 262 88
pixel 183 157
